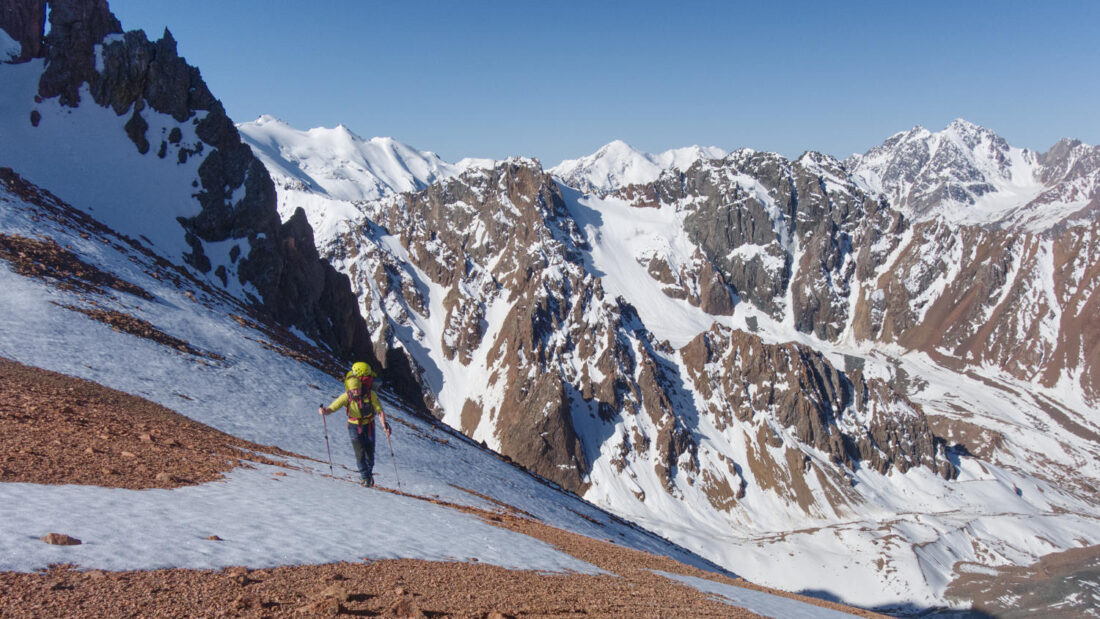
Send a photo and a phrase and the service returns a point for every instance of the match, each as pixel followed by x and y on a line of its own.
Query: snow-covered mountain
pixel 618 164
pixel 967 174
pixel 751 354
pixel 289 513
pixel 340 164
pixel 325 171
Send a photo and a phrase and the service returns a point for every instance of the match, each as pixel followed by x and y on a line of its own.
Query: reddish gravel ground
pixel 56 429
pixel 44 415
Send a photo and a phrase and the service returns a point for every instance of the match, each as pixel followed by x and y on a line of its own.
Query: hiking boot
pixel 367 482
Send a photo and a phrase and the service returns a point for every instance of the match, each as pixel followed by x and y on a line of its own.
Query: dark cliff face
pixel 136 76
pixel 25 22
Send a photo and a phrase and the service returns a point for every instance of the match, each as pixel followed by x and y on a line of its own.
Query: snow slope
pixel 84 156
pixel 9 47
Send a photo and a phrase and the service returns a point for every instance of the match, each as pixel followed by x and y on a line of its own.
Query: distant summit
pixel 969 174
pixel 617 164
pixel 340 163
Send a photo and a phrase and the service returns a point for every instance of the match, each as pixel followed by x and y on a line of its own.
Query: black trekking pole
pixel 393 460
pixel 324 422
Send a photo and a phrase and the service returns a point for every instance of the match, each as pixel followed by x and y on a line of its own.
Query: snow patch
pixel 10 49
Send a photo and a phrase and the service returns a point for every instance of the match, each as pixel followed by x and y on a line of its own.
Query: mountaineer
pixel 360 402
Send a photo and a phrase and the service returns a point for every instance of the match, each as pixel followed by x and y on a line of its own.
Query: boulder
pixel 60 539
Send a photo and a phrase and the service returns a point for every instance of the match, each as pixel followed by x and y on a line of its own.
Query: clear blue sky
pixel 557 80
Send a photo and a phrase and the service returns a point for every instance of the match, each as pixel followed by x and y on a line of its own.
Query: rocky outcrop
pixel 788 237
pixel 60 539
pixel 519 307
pixel 487 238
pixel 697 282
pixel 746 234
pixel 76 27
pixel 857 421
pixel 24 21
pixel 133 76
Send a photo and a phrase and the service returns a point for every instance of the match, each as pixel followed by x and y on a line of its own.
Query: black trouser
pixel 362 441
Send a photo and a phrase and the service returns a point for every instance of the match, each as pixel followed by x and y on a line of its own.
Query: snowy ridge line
pixel 617 164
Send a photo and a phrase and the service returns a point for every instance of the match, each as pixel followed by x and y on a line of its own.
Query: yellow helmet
pixel 353 383
pixel 361 368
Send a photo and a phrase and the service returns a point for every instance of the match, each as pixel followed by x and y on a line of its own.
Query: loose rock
pixel 60 539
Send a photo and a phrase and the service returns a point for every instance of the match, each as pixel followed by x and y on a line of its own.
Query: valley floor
pixel 56 429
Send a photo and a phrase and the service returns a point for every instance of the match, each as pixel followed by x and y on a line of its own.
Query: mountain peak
pixel 617 164
pixel 966 174
pixel 961 124
pixel 617 147
pixel 340 162
pixel 268 119
pixel 969 132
